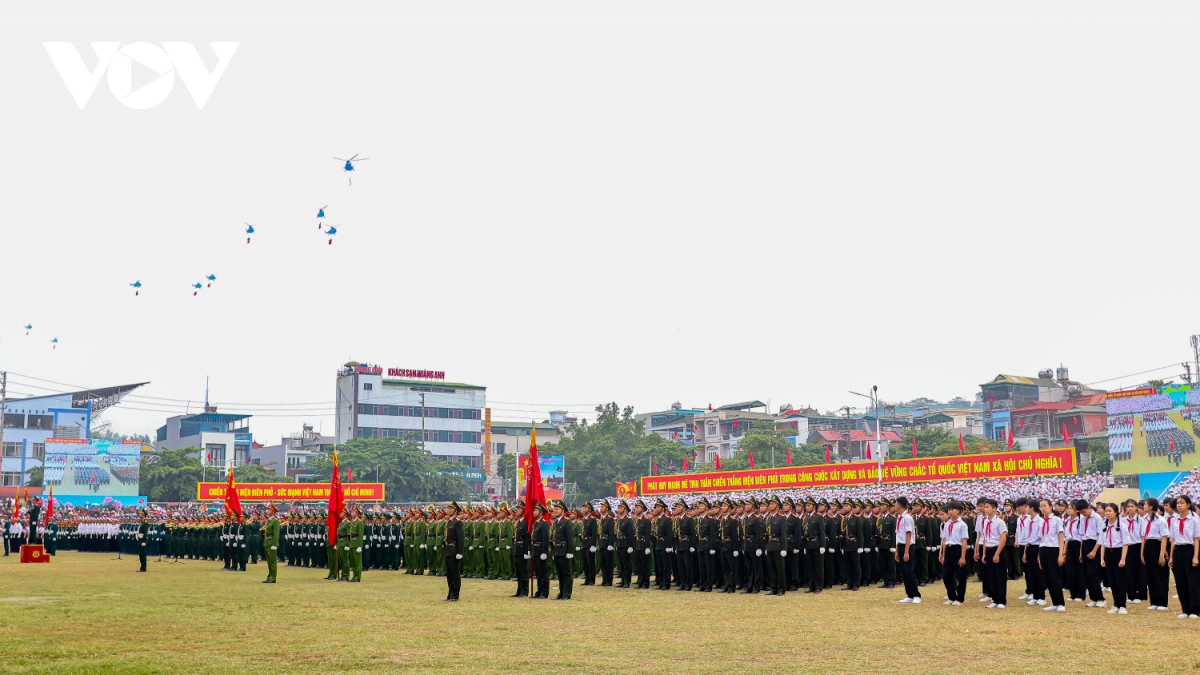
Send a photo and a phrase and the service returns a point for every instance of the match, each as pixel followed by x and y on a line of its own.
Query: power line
pixel 1121 377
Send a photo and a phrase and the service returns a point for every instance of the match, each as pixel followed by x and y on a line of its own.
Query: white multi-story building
pixel 377 402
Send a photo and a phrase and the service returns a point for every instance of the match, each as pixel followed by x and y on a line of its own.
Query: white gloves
pixel 758 552
pixel 498 548
pixel 274 548
pixel 610 548
pixel 139 535
pixel 629 550
pixel 243 545
pixel 783 554
pixel 542 556
pixel 591 549
pixel 358 550
pixel 691 550
pixel 796 551
pixel 822 551
pixel 891 550
pixel 570 555
pixel 506 548
pixel 422 545
pixel 670 550
pixel 735 554
pixel 860 550
pixel 458 556
pixel 144 543
pixel 647 551
pixel 345 548
pixel 526 556
pixel 712 551
pixel 240 537
pixel 470 548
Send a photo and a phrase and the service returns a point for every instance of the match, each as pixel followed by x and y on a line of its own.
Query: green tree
pixel 407 472
pixel 763 439
pixel 1101 458
pixel 171 475
pixel 35 476
pixel 938 442
pixel 254 473
pixel 613 449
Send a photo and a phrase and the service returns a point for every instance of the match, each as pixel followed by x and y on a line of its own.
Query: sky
pixel 632 202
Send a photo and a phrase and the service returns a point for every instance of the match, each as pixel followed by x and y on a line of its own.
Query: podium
pixel 34 553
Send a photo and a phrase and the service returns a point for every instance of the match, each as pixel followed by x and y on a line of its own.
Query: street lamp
pixel 874 398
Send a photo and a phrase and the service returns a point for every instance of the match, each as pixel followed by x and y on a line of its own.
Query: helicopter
pixel 350 163
pixel 249 230
pixel 136 285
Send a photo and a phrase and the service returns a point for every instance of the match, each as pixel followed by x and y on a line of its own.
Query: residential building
pixel 675 424
pixel 221 439
pixel 1006 393
pixel 720 431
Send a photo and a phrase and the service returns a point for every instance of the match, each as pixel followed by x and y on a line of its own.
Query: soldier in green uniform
pixel 866 526
pixel 851 545
pixel 343 545
pixel 271 542
pixel 356 545
pixel 143 533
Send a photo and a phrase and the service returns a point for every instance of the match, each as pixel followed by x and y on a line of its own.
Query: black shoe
pixel 808 590
pixel 816 591
pixel 269 581
pixel 450 600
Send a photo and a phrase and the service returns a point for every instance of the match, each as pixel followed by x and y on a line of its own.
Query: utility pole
pixel 1196 352
pixel 422 422
pixel 1187 375
pixel 4 410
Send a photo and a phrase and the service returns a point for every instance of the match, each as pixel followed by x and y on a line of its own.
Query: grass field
pixel 84 613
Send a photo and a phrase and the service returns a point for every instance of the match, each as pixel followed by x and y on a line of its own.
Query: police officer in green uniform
pixel 143 533
pixel 271 542
pixel 356 545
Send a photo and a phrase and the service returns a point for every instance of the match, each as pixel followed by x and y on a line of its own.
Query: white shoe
pixel 906 600
pixel 1025 596
pixel 1194 616
pixel 1162 609
pixel 1091 603
pixel 1100 604
pixel 916 600
pixel 993 606
pixel 1135 602
pixel 999 606
pixel 1051 608
pixel 945 597
pixel 1122 611
pixel 1040 603
pixel 1113 610
pixel 947 603
pixel 1031 603
pixel 1061 608
pixel 956 603
pixel 1152 607
pixel 984 595
pixel 985 599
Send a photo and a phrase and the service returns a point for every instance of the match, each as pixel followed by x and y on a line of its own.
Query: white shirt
pixel 1034 538
pixel 1050 529
pixel 1074 528
pixel 1022 532
pixel 1092 526
pixel 1184 531
pixel 954 532
pixel 904 525
pixel 1113 535
pixel 993 529
pixel 1155 527
pixel 1132 528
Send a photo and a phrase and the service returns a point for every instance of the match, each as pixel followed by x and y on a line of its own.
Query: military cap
pixel 1009 502
pixel 519 504
pixel 703 502
pixel 455 506
pixel 504 507
pixel 776 499
pixel 660 502
pixel 752 502
pixel 587 505
pixel 539 506
pixel 637 503
pixel 728 501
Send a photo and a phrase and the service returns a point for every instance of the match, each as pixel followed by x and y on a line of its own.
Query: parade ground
pixel 87 613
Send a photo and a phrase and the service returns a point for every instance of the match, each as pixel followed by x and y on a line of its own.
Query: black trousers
pixel 729 564
pixel 1073 571
pixel 1158 577
pixel 626 566
pixel 684 561
pixel 1187 579
pixel 1091 571
pixel 779 577
pixel 953 576
pixel 606 564
pixel 541 569
pixel 814 564
pixel 1034 579
pixel 997 574
pixel 908 571
pixel 854 570
pixel 707 567
pixel 520 568
pixel 663 564
pixel 453 576
pixel 589 565
pixel 562 566
pixel 1051 574
pixel 1135 573
pixel 1117 574
pixel 754 571
pixel 642 560
pixel 142 556
pixel 920 555
pixel 889 566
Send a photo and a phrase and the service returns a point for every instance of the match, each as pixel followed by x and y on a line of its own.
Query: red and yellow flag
pixel 333 517
pixel 534 492
pixel 627 490
pixel 232 503
pixel 49 506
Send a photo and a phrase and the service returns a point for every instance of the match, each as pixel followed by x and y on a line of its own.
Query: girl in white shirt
pixel 1155 537
pixel 1185 533
pixel 1052 553
pixel 1135 572
pixel 1112 540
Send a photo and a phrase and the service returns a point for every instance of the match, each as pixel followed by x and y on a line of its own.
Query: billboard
pixel 92 469
pixel 1055 462
pixel 553 476
pixel 290 492
pixel 1153 429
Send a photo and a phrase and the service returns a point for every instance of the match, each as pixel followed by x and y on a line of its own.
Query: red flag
pixel 718 458
pixel 685 463
pixel 914 446
pixel 50 506
pixel 209 457
pixel 233 504
pixel 962 447
pixel 1021 423
pixel 751 459
pixel 1010 438
pixel 1172 442
pixel 869 450
pixel 789 457
pixel 349 474
pixel 735 424
pixel 534 492
pixel 828 452
pixel 1067 436
pixel 654 467
pixel 334 517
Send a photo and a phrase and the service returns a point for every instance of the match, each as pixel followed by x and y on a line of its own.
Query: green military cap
pixel 810 500
pixel 752 502
pixel 519 504
pixel 703 502
pixel 776 499
pixel 660 502
pixel 1009 502
pixel 728 501
pixel 539 506
pixel 637 503
pixel 789 502
pixel 834 502
pixel 587 505
pixel 453 505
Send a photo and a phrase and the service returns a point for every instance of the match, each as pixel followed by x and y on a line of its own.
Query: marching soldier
pixel 271 542
pixel 775 528
pixel 453 545
pixel 730 546
pixel 851 545
pixel 664 545
pixel 687 543
pixel 814 547
pixel 795 543
pixel 887 543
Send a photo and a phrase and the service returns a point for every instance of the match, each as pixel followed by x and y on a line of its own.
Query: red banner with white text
pixel 292 492
pixel 1054 462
